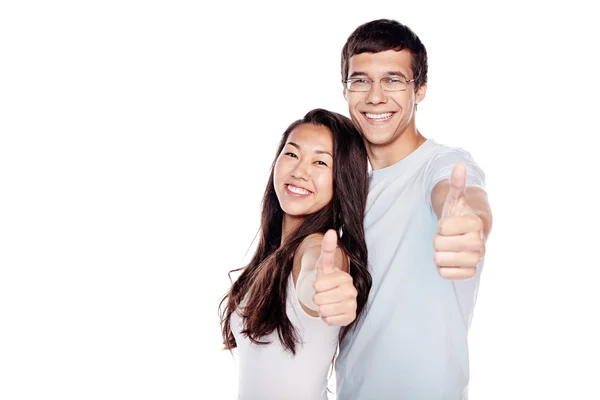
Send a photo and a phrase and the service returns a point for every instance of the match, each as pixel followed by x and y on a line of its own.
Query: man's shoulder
pixel 444 157
pixel 439 149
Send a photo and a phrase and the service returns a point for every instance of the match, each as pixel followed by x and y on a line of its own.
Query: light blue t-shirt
pixel 411 343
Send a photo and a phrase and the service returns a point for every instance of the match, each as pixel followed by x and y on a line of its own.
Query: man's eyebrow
pixel 388 73
pixel 393 73
pixel 357 73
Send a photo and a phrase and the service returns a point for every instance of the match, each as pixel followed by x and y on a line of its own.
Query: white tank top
pixel 268 372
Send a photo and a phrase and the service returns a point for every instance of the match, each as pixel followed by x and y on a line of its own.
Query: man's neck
pixel 389 154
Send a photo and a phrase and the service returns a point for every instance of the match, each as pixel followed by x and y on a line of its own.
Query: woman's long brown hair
pixel 264 280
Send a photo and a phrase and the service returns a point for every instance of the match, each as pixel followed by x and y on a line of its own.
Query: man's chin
pixel 377 137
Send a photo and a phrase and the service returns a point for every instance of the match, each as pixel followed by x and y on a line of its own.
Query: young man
pixel 426 223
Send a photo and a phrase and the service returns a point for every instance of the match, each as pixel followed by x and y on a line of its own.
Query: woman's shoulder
pixel 310 250
pixel 312 240
pixel 310 247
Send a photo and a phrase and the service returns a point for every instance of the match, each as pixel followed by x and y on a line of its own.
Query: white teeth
pixel 379 116
pixel 297 190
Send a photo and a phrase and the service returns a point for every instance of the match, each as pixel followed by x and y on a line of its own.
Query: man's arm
pixel 465 222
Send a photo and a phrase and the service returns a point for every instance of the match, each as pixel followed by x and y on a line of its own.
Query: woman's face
pixel 303 176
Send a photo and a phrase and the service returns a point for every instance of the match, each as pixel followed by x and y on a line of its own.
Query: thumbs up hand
pixel 335 294
pixel 459 244
pixel 325 264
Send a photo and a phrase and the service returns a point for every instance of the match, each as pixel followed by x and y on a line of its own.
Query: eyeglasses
pixel 390 84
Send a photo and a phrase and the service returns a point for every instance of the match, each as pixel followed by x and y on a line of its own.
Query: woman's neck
pixel 288 225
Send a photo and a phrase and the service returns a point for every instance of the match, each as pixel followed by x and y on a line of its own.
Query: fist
pixel 459 243
pixel 335 294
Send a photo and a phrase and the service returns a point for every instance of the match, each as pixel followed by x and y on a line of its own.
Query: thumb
pixel 458 182
pixel 325 262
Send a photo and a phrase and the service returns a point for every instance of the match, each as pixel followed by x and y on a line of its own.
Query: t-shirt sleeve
pixel 441 165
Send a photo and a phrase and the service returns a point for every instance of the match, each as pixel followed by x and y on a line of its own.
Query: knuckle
pixel 437 258
pixel 473 259
pixel 442 225
pixel 443 272
pixel 478 242
pixel 468 262
pixel 468 273
pixel 436 242
pixel 350 291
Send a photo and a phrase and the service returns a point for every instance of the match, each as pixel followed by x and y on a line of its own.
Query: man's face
pixel 383 116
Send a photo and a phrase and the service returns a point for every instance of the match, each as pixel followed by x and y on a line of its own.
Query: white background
pixel 136 140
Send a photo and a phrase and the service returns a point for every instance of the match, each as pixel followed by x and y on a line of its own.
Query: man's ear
pixel 420 95
pixel 345 93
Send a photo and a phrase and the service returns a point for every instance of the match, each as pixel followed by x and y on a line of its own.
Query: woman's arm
pixel 305 262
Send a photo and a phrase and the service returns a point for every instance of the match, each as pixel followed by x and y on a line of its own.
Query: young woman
pixel 318 185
